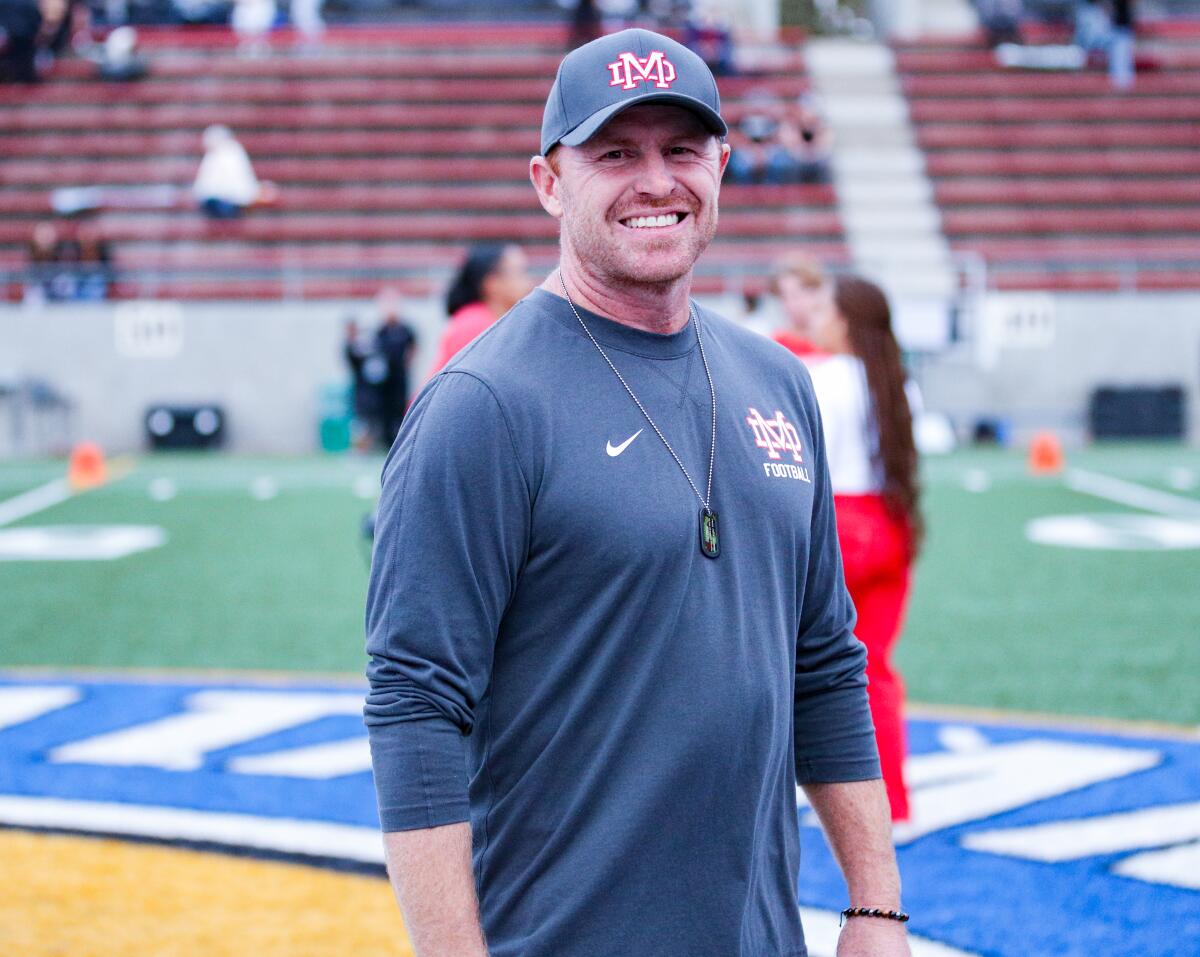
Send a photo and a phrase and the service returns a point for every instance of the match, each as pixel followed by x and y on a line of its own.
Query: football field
pixel 262 565
pixel 183 767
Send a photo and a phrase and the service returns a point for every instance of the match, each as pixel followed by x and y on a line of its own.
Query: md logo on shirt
pixel 1028 839
pixel 778 436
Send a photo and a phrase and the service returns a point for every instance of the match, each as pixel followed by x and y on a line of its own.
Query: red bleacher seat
pixel 1057 180
pixel 393 148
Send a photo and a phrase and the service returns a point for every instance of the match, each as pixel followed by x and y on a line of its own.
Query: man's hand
pixel 872 937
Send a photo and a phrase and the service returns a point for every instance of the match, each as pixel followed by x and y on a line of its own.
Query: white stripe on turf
pixel 1127 493
pixel 35 500
pixel 288 835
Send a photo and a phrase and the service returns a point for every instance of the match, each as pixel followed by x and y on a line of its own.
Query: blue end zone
pixel 1108 872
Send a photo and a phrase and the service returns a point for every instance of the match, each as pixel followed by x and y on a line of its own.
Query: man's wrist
pixel 892 914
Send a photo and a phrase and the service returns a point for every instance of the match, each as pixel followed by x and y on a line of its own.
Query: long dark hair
pixel 869 323
pixel 467 287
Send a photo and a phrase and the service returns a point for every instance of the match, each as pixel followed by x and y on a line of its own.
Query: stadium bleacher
pixel 1055 179
pixel 393 148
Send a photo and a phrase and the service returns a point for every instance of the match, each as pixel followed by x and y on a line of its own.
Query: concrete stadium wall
pixel 1043 377
pixel 266 363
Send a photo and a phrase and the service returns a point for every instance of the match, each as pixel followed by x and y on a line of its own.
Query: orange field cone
pixel 1045 454
pixel 86 468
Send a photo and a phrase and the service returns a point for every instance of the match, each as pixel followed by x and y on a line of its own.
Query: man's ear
pixel 547 184
pixel 726 150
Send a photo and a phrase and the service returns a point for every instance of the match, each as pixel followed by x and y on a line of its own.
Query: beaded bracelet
pixel 873 912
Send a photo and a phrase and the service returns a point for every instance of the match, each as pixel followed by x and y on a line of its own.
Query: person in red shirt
pixel 806 294
pixel 492 280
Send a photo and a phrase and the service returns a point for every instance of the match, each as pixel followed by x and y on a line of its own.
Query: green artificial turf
pixel 241 582
pixel 995 620
pixel 999 621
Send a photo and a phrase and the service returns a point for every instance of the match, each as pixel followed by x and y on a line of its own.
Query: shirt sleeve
pixel 834 735
pixel 450 539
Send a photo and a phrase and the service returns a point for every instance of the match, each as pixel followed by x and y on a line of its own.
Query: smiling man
pixel 607 623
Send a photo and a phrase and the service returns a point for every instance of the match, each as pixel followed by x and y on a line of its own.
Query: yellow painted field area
pixel 88 897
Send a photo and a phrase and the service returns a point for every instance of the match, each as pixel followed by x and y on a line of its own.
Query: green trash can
pixel 335 417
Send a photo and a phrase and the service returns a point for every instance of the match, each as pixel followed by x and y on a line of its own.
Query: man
pixel 807 297
pixel 395 343
pixel 606 617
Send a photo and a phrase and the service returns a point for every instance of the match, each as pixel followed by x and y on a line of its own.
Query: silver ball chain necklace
pixel 710 542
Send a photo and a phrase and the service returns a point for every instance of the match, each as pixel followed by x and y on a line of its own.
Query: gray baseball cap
pixel 598 80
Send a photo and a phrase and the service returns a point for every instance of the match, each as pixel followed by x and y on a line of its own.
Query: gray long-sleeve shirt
pixel 622 720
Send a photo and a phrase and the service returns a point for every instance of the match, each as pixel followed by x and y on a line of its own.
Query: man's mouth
pixel 653 222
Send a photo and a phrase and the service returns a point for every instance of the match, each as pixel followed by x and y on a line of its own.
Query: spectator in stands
pixel 225 182
pixel 805 144
pixel 1120 50
pixel 306 18
pixel 780 143
pixel 251 19
pixel 395 342
pixel 867 415
pixel 708 33
pixel 56 265
pixel 118 58
pixel 492 280
pixel 20 26
pixel 806 294
pixel 1108 29
pixel 95 264
pixel 585 23
pixel 58 23
pixel 43 262
pixel 1001 21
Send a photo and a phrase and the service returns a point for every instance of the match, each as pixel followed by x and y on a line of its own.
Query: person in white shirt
pixel 225 182
pixel 867 408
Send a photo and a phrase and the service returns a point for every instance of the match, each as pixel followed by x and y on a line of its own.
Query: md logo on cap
pixel 628 69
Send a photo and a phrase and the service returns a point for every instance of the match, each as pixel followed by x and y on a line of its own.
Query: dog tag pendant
pixel 710 543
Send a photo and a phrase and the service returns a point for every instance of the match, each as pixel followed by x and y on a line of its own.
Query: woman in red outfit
pixel 868 419
pixel 492 280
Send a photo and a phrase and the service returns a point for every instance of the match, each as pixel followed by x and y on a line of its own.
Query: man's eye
pixel 680 150
pixel 614 154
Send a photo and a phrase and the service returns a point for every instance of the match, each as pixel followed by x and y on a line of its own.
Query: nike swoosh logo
pixel 615 450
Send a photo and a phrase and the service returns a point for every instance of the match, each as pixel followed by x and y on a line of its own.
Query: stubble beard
pixel 625 267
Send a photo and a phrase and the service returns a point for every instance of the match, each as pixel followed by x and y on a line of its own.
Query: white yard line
pixel 312 838
pixel 1128 493
pixel 35 500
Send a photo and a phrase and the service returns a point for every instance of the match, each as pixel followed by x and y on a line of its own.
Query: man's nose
pixel 654 176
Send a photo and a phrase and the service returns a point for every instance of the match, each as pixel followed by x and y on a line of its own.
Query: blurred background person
pixel 585 22
pixel 864 397
pixel 804 145
pixel 44 258
pixel 95 276
pixel 20 28
pixel 309 24
pixel 778 142
pixel 1108 29
pixel 368 371
pixel 250 20
pixel 492 279
pixel 225 182
pixel 118 59
pixel 806 295
pixel 709 34
pixel 395 342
